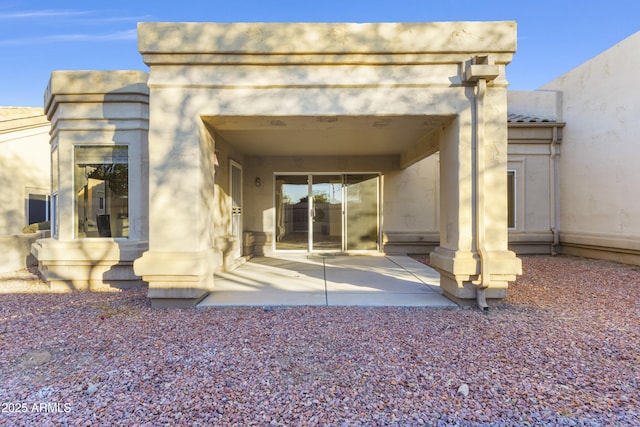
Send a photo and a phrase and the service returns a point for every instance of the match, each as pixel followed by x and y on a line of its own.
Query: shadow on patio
pixel 304 279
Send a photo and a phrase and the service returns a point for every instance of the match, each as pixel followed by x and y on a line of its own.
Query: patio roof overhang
pixel 333 89
pixel 373 135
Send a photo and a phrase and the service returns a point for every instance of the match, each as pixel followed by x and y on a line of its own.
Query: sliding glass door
pixel 292 212
pixel 361 212
pixel 327 212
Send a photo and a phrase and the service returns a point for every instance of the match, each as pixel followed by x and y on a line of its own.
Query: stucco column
pixel 180 263
pixel 473 258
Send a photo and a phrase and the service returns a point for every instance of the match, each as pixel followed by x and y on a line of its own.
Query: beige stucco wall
pixel 544 105
pixel 532 183
pixel 599 191
pixel 16 251
pixel 411 216
pixel 535 137
pixel 24 163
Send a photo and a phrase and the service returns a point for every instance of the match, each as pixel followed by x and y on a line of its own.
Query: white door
pixel 236 204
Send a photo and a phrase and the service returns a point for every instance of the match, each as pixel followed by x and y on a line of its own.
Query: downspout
pixel 485 275
pixel 552 191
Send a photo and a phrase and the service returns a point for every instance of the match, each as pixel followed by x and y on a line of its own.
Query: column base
pixel 88 265
pixel 460 271
pixel 178 279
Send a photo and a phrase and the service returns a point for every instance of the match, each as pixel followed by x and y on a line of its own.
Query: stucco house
pixel 24 168
pixel 258 139
pixel 24 182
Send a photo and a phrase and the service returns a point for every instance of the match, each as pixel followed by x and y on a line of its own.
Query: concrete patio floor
pixel 309 279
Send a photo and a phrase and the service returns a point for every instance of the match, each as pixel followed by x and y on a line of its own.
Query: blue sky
pixel 37 37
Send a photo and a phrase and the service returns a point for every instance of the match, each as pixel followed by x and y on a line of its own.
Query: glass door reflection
pixel 292 212
pixel 361 212
pixel 326 213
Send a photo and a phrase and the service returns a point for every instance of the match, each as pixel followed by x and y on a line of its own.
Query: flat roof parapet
pixel 91 84
pixel 157 40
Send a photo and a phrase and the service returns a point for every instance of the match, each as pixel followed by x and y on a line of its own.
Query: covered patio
pixel 239 111
pixel 329 280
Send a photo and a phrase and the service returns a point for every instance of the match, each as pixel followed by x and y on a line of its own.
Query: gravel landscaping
pixel 563 349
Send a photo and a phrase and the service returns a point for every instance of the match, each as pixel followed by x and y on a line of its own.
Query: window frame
pixel 513 195
pixel 37 191
pixel 75 207
pixel 55 189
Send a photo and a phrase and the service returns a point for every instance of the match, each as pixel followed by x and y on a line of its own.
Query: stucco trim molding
pixel 624 249
pixel 88 264
pixel 409 242
pixel 10 127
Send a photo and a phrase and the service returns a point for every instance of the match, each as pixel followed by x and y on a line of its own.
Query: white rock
pixel 92 388
pixel 464 390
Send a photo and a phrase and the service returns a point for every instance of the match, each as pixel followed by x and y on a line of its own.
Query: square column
pixel 181 259
pixel 473 258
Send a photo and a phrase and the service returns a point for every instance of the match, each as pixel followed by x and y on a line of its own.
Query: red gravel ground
pixel 564 349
